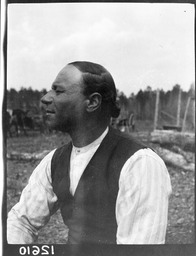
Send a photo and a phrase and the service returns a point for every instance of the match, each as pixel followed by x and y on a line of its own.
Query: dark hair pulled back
pixel 97 79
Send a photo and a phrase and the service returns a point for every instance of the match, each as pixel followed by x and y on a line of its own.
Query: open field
pixel 181 209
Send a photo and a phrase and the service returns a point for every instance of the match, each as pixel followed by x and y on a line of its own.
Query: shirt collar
pixel 92 144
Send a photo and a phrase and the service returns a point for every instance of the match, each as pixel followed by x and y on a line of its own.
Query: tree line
pixel 142 104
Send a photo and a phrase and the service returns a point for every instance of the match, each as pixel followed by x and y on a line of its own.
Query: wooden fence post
pixel 156 110
pixel 185 114
pixel 179 108
pixel 194 114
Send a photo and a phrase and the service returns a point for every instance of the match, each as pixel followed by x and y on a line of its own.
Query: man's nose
pixel 47 98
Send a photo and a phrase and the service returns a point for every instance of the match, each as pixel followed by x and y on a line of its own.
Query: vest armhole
pixel 56 157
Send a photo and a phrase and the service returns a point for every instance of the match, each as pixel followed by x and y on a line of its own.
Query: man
pixel 110 188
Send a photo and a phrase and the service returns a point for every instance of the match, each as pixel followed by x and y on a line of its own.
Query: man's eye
pixel 57 91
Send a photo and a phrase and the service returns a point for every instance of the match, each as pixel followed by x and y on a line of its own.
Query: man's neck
pixel 84 136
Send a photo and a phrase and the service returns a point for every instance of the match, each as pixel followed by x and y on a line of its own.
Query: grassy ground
pixel 181 208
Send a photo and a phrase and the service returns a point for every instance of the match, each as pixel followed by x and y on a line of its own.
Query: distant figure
pixel 20 121
pixel 131 122
pixel 110 188
pixel 18 116
pixel 123 124
pixel 8 123
pixel 11 123
pixel 45 128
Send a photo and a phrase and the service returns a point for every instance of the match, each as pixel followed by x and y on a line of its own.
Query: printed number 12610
pixel 37 250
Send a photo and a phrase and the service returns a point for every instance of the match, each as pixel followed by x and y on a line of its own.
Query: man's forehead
pixel 69 74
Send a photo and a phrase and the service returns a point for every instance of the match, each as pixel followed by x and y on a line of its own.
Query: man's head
pixel 81 92
pixel 96 79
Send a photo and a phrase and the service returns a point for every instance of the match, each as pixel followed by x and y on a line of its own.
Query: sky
pixel 144 44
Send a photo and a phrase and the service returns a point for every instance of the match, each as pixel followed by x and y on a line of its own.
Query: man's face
pixel 65 102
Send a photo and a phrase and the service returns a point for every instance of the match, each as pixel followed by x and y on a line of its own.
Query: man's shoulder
pixel 126 139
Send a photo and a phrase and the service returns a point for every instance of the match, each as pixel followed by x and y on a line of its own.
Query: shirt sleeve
pixel 142 201
pixel 37 203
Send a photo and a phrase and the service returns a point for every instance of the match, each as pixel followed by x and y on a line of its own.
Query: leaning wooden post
pixel 156 109
pixel 194 114
pixel 179 107
pixel 185 114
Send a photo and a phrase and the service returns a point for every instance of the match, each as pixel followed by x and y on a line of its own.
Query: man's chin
pixel 57 127
pixel 51 125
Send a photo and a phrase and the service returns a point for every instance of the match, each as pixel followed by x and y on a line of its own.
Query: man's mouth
pixel 48 112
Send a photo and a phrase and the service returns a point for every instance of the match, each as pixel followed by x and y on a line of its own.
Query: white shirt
pixel 141 206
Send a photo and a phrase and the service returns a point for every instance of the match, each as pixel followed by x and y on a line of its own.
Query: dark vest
pixel 90 213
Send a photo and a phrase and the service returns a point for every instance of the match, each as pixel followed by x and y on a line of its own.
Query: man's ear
pixel 94 102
